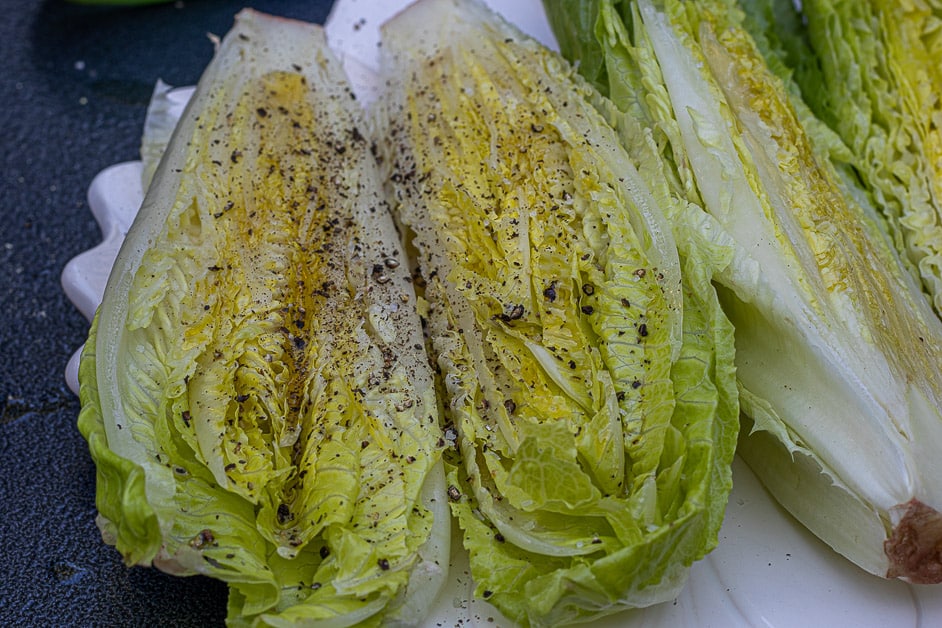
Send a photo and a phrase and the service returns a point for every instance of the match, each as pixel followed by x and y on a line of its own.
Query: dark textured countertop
pixel 74 86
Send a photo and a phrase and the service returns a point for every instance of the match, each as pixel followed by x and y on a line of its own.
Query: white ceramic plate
pixel 767 571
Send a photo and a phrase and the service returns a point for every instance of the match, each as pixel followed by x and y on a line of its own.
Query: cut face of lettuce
pixel 837 350
pixel 589 380
pixel 870 70
pixel 255 392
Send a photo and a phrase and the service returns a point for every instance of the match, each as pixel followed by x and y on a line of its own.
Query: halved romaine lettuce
pixel 870 69
pixel 837 349
pixel 255 391
pixel 586 364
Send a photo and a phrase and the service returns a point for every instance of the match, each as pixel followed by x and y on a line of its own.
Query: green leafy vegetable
pixel 837 350
pixel 870 70
pixel 255 393
pixel 587 365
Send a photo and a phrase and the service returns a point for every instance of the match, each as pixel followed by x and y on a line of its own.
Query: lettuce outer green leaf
pixel 837 349
pixel 589 381
pixel 255 392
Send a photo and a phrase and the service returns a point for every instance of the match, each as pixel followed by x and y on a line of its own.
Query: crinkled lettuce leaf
pixel 255 392
pixel 586 363
pixel 836 347
pixel 870 70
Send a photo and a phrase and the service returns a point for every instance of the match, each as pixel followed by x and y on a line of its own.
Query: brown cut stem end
pixel 915 547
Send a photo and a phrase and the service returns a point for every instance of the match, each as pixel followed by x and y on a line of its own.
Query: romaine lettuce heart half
pixel 837 349
pixel 589 381
pixel 255 390
pixel 870 69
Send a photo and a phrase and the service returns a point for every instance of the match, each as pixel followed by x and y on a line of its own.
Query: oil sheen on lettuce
pixel 586 364
pixel 255 393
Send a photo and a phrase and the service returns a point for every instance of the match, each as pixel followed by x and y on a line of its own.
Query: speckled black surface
pixel 74 83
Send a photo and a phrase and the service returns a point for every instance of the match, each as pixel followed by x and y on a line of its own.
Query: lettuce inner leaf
pixel 589 380
pixel 255 393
